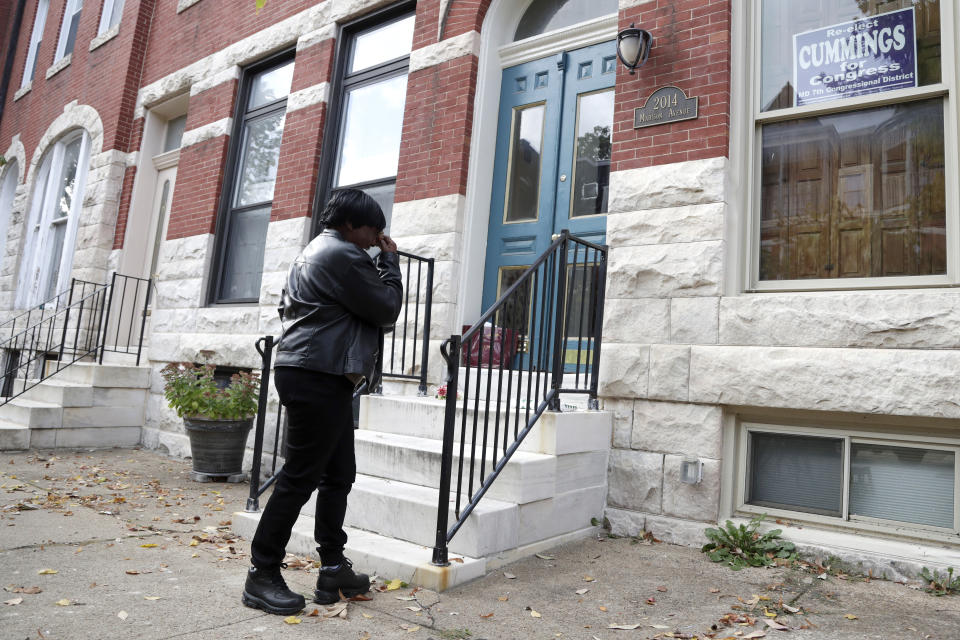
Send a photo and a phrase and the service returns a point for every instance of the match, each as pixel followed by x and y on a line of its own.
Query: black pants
pixel 319 456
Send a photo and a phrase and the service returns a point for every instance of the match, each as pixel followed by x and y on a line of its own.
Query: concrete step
pixel 409 512
pixel 528 476
pixel 31 413
pixel 554 433
pixel 14 437
pixel 107 375
pixel 96 437
pixel 61 393
pixel 378 555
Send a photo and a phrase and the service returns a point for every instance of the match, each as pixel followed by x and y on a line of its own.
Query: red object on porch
pixel 491 347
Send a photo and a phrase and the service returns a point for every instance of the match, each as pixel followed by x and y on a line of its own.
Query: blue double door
pixel 552 163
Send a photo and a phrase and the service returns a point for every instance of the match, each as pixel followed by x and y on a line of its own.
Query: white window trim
pixel 883 436
pixel 33 277
pixel 9 177
pixel 109 7
pixel 36 37
pixel 748 113
pixel 71 10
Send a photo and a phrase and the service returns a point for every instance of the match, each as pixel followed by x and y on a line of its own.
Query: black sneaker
pixel 265 589
pixel 338 579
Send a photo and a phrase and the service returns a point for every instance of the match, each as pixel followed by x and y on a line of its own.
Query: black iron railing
pixel 397 359
pixel 541 339
pixel 82 322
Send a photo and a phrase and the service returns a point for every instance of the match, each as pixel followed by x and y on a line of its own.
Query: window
pixel 371 94
pixel 852 160
pixel 36 37
pixel 252 167
pixel 549 15
pixel 54 212
pixel 861 478
pixel 112 10
pixel 68 30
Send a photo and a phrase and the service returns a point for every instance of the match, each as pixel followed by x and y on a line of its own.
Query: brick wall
pixel 437 123
pixel 691 50
pixel 464 16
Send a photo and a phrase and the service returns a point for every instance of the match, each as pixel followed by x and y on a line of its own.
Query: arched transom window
pixel 549 15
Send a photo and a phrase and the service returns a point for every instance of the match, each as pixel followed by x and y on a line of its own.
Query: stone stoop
pixel 84 405
pixel 546 495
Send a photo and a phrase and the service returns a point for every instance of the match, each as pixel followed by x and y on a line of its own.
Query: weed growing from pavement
pixel 743 546
pixel 941 584
pixel 455 634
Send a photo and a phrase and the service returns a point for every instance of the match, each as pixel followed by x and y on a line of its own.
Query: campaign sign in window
pixel 858 57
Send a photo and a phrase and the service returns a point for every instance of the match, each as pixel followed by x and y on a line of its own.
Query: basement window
pixel 867 480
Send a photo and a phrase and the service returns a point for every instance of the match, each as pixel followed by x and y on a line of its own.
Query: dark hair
pixel 354 207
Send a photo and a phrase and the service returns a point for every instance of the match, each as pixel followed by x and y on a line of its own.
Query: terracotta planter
pixel 217 448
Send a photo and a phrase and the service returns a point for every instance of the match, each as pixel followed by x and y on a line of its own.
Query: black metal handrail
pixel 73 330
pixel 541 339
pixel 405 338
pixel 8 328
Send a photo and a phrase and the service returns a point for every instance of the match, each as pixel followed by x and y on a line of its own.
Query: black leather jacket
pixel 336 301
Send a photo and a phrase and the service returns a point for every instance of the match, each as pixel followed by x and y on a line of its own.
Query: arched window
pixel 548 15
pixel 8 188
pixel 52 227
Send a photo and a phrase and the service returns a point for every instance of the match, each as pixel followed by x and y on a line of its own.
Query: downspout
pixel 11 53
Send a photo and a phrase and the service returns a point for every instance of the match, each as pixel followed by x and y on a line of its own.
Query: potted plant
pixel 217 419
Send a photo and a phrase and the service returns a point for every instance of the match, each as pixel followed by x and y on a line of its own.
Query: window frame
pixel 850 435
pixel 945 90
pixel 107 14
pixel 71 9
pixel 36 39
pixel 343 82
pixel 225 207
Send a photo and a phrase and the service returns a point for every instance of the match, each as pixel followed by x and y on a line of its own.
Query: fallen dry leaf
pixel 486 615
pixel 589 579
pixel 292 620
pixel 47 572
pixel 151 597
pixel 132 572
pixel 850 616
pixel 122 615
pixel 625 627
pixel 149 545
pixel 662 589
pixel 787 607
pixel 759 633
pixel 508 576
pixel 651 601
pixel 13 601
pixel 194 543
pixel 580 592
pixel 503 598
pixel 393 585
pixel 366 615
pixel 714 590
pixel 603 608
pixel 773 624
pixel 414 608
pixel 360 598
pixel 535 614
pixel 339 609
pixel 314 613
pixel 544 556
pixel 63 602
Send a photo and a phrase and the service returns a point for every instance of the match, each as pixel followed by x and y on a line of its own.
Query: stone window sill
pixel 183 5
pixel 22 91
pixel 59 66
pixel 105 37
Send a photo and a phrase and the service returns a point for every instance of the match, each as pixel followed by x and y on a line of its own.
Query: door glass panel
pixel 516 313
pixel 54 257
pixel 261 154
pixel 591 164
pixel 796 472
pixel 271 86
pixel 68 179
pixel 243 262
pixel 907 484
pixel 855 194
pixel 370 149
pixel 369 49
pixel 523 174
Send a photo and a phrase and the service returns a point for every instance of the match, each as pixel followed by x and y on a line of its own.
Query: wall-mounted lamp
pixel 633 47
pixel 691 471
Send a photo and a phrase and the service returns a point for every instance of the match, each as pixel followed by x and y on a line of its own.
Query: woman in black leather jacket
pixel 335 303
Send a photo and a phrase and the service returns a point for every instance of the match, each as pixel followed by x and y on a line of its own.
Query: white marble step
pixel 554 433
pixel 32 413
pixel 14 437
pixel 409 512
pixel 107 375
pixel 60 392
pixel 527 477
pixel 94 437
pixel 374 554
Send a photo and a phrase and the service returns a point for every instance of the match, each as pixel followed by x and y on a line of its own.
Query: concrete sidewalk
pixel 121 544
